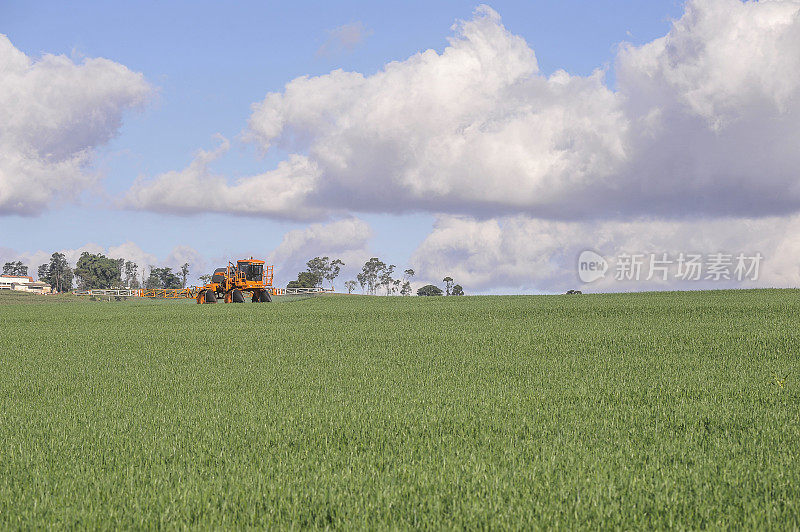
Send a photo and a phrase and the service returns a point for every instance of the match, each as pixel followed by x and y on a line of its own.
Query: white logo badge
pixel 591 266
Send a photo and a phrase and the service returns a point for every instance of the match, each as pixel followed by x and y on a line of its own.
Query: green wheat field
pixel 629 411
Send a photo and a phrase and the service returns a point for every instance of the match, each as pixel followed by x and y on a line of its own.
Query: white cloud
pixel 705 122
pixel 344 38
pixel 180 255
pixel 696 147
pixel 279 193
pixel 720 59
pixel 715 111
pixel 475 127
pixel 525 254
pixel 472 127
pixel 53 114
pixel 128 251
pixel 346 239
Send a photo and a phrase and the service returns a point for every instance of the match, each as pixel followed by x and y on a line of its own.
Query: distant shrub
pixel 429 290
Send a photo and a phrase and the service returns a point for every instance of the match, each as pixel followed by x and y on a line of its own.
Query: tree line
pixel 96 271
pixel 375 276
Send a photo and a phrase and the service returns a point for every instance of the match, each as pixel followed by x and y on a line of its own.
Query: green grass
pixel 638 411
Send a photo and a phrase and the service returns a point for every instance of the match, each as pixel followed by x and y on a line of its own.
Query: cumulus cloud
pixel 279 193
pixel 704 121
pixel 700 131
pixel 715 111
pixel 180 255
pixel 53 114
pixel 474 127
pixel 344 38
pixel 719 59
pixel 520 253
pixel 346 239
pixel 127 250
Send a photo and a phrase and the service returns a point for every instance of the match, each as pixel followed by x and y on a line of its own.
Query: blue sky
pixel 209 63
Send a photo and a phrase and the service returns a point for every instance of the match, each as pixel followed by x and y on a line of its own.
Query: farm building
pixel 23 283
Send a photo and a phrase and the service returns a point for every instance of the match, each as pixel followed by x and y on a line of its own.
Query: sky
pixel 490 142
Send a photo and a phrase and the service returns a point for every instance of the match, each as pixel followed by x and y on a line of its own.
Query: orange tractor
pixel 231 283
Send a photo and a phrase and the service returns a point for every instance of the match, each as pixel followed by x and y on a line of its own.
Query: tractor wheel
pixel 264 297
pixel 210 296
pixel 237 296
pixel 201 297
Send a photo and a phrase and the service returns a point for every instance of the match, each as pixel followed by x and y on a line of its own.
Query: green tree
pixel 457 290
pixel 385 277
pixel 131 276
pixel 153 280
pixel 362 280
pixel 318 267
pixel 350 285
pixel 60 272
pixel 371 273
pixel 98 271
pixel 448 283
pixel 205 278
pixel 15 268
pixel 429 290
pixel 121 267
pixel 333 270
pixel 304 280
pixel 57 273
pixel 307 279
pixel 184 274
pixel 162 278
pixel 169 279
pixel 406 289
